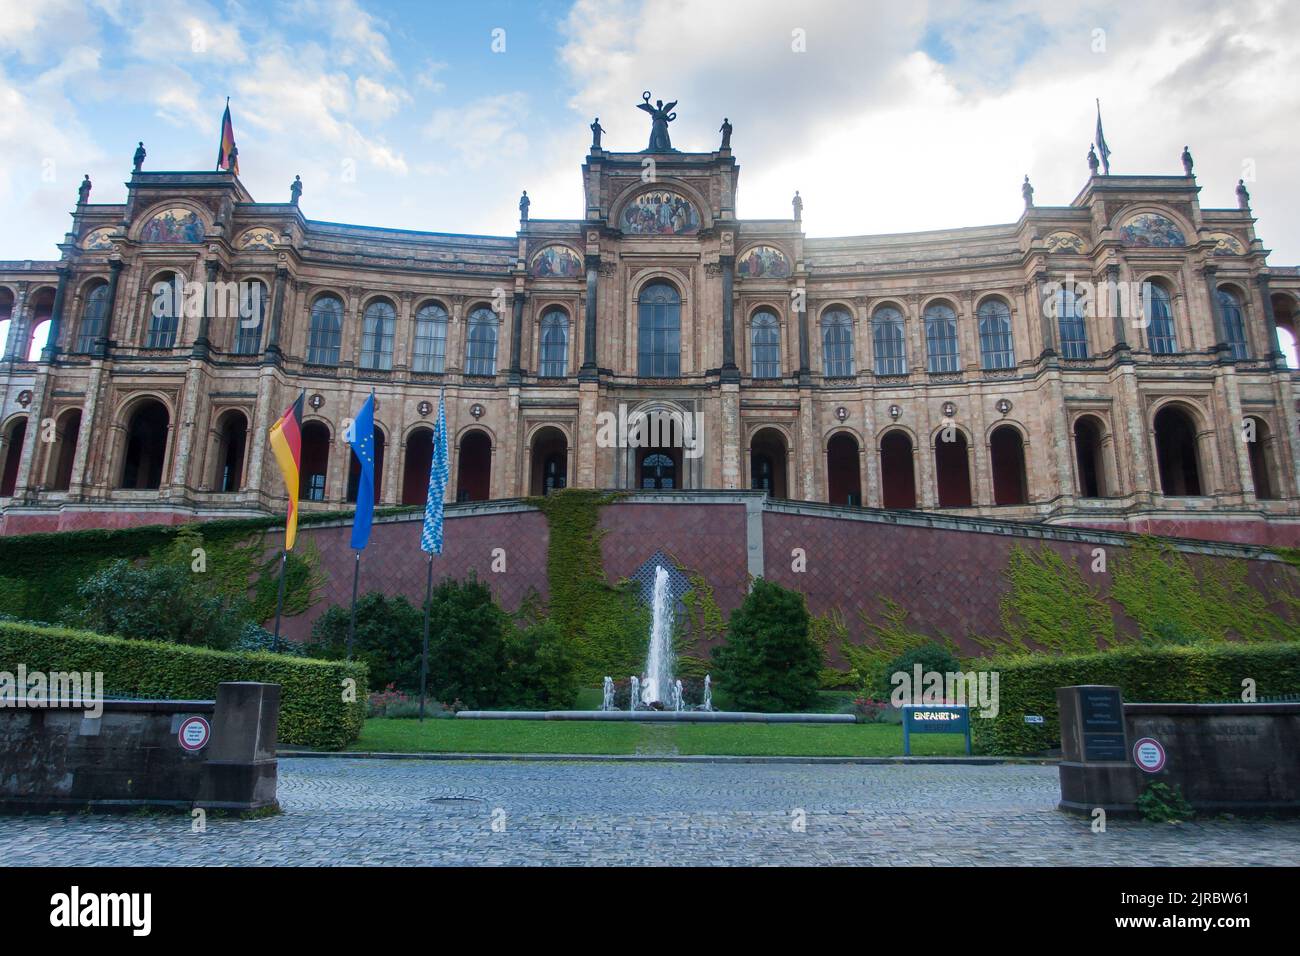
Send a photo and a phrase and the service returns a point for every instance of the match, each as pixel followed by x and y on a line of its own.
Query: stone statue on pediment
pixel 596 130
pixel 138 159
pixel 660 117
pixel 83 191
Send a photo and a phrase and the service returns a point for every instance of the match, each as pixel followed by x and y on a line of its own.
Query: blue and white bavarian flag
pixel 431 533
pixel 362 441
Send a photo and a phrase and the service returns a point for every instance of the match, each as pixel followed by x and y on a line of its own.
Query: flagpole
pixel 424 650
pixel 279 602
pixel 352 622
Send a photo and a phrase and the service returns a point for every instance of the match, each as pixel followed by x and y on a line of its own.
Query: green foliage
pixel 1159 587
pixel 467 644
pixel 387 640
pixel 302 579
pixel 1160 803
pixel 932 658
pixel 1049 606
pixel 254 637
pixel 769 662
pixel 313 708
pixel 539 669
pixel 160 602
pixel 606 624
pixel 889 638
pixel 1199 673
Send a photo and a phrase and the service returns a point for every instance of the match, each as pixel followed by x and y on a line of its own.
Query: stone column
pixel 51 350
pixel 201 346
pixel 801 311
pixel 1046 323
pixel 516 337
pixel 1273 352
pixel 17 322
pixel 730 372
pixel 1216 314
pixel 273 354
pixel 105 341
pixel 588 370
pixel 1121 334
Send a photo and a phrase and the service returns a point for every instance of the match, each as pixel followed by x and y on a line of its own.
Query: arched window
pixel 897 473
pixel 94 313
pixel 1160 319
pixel 251 318
pixel 659 332
pixel 326 331
pixel 767 463
pixel 6 317
pixel 315 461
pixel 1007 455
pixel 232 440
pixel 765 345
pixel 474 467
pixel 430 339
pixel 1070 320
pixel 481 353
pixel 377 335
pixel 555 344
pixel 658 471
pixel 1234 323
pixel 837 343
pixel 165 305
pixel 1177 454
pixel 996 349
pixel 147 433
pixel 843 477
pixel 887 332
pixel 549 461
pixel 14 437
pixel 1262 458
pixel 64 453
pixel 941 338
pixel 1088 457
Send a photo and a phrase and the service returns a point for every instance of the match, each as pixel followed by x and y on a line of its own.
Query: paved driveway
pixel 341 811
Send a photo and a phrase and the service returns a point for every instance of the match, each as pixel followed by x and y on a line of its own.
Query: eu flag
pixel 362 441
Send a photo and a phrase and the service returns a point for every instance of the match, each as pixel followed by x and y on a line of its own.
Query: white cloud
pixel 484 131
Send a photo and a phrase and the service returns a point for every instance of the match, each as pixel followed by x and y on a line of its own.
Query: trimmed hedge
pixel 1198 673
pixel 312 710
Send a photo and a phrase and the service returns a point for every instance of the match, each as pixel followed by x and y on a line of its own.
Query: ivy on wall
pixel 607 624
pixel 1050 606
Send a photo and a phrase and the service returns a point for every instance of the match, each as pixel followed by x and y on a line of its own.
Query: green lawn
pixel 574 737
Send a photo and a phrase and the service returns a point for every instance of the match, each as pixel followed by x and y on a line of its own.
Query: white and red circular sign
pixel 1149 755
pixel 195 733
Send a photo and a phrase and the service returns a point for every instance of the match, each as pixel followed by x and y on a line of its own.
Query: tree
pixel 387 638
pixel 467 644
pixel 770 662
pixel 540 670
pixel 163 601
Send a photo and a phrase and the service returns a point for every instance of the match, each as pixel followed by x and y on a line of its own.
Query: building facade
pixel 1113 363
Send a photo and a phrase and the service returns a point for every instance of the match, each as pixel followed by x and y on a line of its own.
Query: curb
pixel 670 758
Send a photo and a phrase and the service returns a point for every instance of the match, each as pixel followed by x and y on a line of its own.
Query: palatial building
pixel 999 370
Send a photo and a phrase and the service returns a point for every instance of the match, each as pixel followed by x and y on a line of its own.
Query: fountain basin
pixel 654 716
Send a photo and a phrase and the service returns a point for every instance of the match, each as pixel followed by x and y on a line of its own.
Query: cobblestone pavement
pixel 340 811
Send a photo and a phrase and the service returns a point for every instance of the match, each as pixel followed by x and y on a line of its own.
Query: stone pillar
pixel 731 450
pixel 801 311
pixel 588 370
pixel 104 343
pixel 516 337
pixel 201 346
pixel 17 323
pixel 1216 314
pixel 273 354
pixel 240 772
pixel 1273 351
pixel 1046 322
pixel 1121 333
pixel 51 350
pixel 730 372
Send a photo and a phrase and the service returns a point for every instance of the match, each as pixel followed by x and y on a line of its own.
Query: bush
pixel 540 669
pixel 769 662
pixel 931 657
pixel 255 637
pixel 1160 803
pixel 467 644
pixel 161 602
pixel 1199 673
pixel 313 712
pixel 388 636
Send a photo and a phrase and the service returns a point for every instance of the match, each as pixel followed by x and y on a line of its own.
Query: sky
pixel 887 117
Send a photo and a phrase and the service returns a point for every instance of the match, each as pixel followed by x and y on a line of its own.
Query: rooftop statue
pixel 661 116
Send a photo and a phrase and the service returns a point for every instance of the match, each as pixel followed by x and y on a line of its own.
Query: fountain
pixel 660 659
pixel 657 694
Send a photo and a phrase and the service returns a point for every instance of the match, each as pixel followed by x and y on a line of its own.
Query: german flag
pixel 286 443
pixel 227 155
